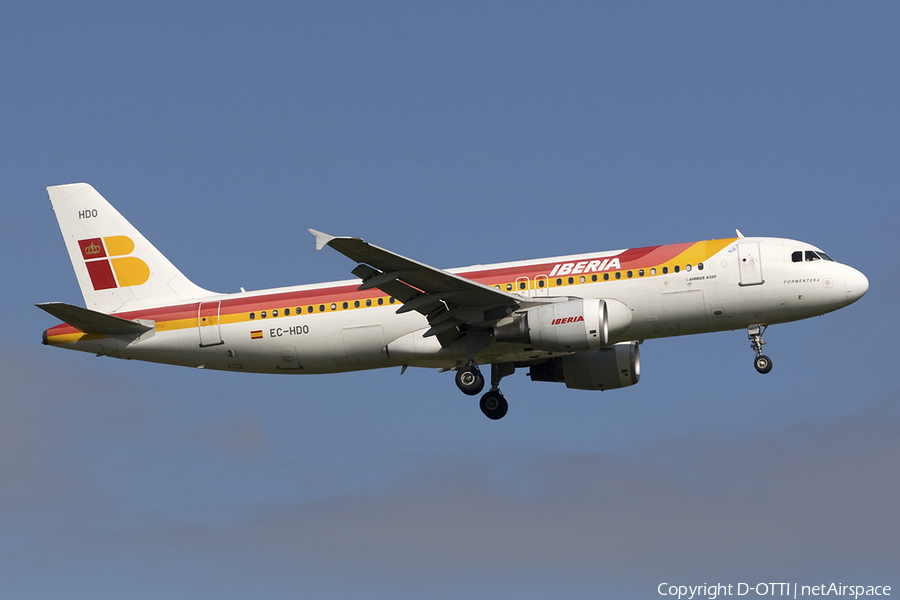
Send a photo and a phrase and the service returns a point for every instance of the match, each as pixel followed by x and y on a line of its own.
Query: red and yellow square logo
pixel 109 265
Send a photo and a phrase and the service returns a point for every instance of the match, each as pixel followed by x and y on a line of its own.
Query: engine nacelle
pixel 615 366
pixel 571 326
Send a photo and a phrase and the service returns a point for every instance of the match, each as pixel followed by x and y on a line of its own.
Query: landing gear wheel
pixel 469 380
pixel 763 363
pixel 494 405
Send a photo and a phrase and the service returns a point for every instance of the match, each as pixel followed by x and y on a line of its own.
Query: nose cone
pixel 857 285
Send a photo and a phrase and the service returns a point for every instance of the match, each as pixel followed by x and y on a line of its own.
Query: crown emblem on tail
pixel 92 249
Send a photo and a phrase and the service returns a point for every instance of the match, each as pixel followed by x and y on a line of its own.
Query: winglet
pixel 322 239
pixel 738 232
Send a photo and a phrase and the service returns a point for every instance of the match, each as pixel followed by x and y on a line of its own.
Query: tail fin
pixel 117 268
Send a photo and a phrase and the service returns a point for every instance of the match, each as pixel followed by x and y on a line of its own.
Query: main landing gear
pixel 470 381
pixel 762 362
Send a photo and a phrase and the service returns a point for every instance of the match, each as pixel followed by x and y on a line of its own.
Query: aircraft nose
pixel 857 285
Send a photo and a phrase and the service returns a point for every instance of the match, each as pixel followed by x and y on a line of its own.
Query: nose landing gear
pixel 762 362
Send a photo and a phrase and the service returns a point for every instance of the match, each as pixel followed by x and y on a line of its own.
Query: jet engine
pixel 571 326
pixel 615 366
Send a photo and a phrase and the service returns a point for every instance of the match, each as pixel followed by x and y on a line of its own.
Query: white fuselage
pixel 320 328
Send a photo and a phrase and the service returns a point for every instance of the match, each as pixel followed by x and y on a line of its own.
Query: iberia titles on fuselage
pixel 575 319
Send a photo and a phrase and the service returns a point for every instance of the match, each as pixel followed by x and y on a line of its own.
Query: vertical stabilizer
pixel 117 268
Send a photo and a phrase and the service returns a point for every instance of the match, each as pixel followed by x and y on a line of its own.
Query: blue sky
pixel 457 134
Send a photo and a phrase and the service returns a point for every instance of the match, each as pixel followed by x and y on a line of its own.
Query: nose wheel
pixel 762 362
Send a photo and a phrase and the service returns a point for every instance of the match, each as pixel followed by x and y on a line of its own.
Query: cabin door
pixel 748 259
pixel 208 324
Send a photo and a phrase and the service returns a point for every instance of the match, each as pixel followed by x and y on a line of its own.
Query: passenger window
pixel 571 280
pixel 797 256
pixel 252 316
pixel 640 272
pixel 262 314
pixel 309 309
pixel 559 282
pixel 606 277
pixel 345 306
pixel 677 268
pixel 321 308
pixel 618 274
pixel 508 287
pixel 630 274
pixel 699 266
pixel 665 270
pixel 522 285
pixel 653 271
pixel 593 278
pixel 687 267
pixel 333 306
pixel 540 283
pixel 581 279
pixel 380 301
pixel 368 302
pixel 275 312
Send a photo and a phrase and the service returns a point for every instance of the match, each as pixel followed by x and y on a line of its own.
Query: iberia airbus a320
pixel 575 319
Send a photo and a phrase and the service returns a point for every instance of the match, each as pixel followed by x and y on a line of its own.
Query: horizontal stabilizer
pixel 91 321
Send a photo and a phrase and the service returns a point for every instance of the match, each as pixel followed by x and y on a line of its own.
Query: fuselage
pixel 659 291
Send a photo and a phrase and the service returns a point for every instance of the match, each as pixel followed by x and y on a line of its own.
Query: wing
pixel 450 302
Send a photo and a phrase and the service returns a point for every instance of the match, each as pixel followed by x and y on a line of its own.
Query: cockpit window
pixel 810 255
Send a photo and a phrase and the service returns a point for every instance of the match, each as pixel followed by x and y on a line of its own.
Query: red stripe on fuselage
pixel 629 259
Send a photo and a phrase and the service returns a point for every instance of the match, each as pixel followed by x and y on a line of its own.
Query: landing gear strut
pixel 493 404
pixel 470 381
pixel 762 362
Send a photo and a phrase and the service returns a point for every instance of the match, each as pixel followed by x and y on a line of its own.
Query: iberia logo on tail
pixel 109 265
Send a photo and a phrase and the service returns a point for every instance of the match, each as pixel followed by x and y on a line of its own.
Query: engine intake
pixel 615 366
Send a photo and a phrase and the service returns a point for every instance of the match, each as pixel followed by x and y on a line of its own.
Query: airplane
pixel 578 320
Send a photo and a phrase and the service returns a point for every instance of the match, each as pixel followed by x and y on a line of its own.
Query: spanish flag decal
pixel 256 335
